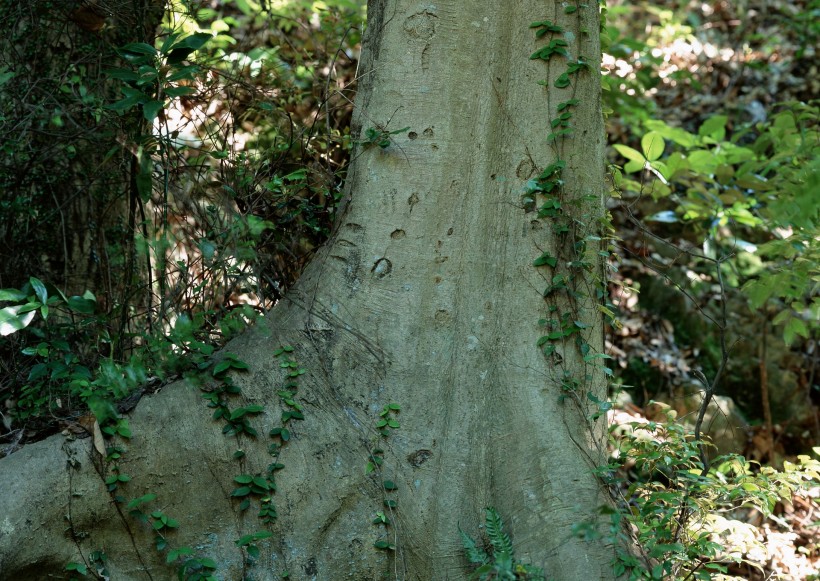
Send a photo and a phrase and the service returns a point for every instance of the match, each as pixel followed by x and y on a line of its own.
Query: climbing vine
pixel 577 252
pixel 385 425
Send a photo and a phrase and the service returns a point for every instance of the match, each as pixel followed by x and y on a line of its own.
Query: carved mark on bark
pixel 525 169
pixel 422 25
pixel 421 28
pixel 419 457
pixel 310 567
pixel 442 316
pixel 382 267
pixel 413 200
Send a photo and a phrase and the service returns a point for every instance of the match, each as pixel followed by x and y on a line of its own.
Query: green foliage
pixel 380 136
pixel 248 542
pixel 95 565
pixel 217 223
pixel 63 363
pixel 673 507
pixel 751 193
pixel 499 562
pixel 161 524
pixel 388 419
pixel 197 569
pixel 156 75
pixel 375 463
pixel 78 568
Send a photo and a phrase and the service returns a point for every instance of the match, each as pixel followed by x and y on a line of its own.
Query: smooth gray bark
pixel 426 296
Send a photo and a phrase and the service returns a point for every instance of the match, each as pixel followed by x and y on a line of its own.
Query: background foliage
pixel 169 168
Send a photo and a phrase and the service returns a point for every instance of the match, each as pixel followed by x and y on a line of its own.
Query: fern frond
pixel 500 540
pixel 475 555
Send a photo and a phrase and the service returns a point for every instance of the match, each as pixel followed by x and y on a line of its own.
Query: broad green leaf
pixel 675 134
pixel 795 327
pixel 758 291
pixel 151 109
pixel 652 145
pixel 194 41
pixel 674 164
pixel 237 413
pixel 82 305
pixel 123 429
pixel 724 173
pixel 11 322
pixel 630 154
pixel 735 154
pixel 33 306
pixel 5 76
pixel 183 73
pixel 122 74
pixel 168 42
pixel 127 102
pixel 714 128
pixel 703 162
pixel 39 289
pixel 138 48
pixel 11 294
pixel 179 91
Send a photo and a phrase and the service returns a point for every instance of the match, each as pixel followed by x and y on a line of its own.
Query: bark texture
pixel 426 296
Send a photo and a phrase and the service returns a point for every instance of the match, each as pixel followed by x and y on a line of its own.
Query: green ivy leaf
pixel 221 367
pixel 562 81
pixel 546 259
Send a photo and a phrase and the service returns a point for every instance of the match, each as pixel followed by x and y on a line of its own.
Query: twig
pixel 764 392
pixel 724 352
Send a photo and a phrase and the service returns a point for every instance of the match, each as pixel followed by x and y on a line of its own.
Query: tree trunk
pixel 427 297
